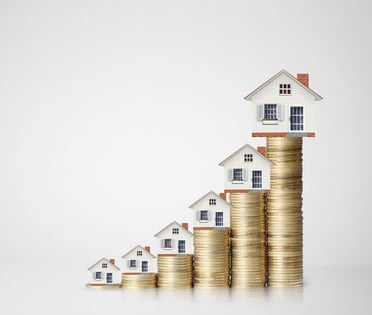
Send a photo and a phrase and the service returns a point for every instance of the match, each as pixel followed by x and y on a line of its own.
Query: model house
pixel 175 239
pixel 284 106
pixel 139 260
pixel 211 211
pixel 246 170
pixel 105 273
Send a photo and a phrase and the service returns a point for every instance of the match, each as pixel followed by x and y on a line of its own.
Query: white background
pixel 114 116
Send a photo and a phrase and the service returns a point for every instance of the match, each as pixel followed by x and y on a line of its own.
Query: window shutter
pixel 94 275
pixel 244 174
pixel 198 215
pixel 162 243
pixel 128 263
pixel 280 112
pixel 260 112
pixel 230 174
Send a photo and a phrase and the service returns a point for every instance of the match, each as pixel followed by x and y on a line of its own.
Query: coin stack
pixel 175 271
pixel 284 213
pixel 138 280
pixel 211 257
pixel 248 242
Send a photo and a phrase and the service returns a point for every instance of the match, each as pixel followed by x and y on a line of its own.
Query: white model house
pixel 284 106
pixel 139 260
pixel 105 273
pixel 175 239
pixel 246 170
pixel 211 211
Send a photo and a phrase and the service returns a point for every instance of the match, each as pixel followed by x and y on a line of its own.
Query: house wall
pixel 270 95
pixel 133 256
pixel 116 275
pixel 183 235
pixel 238 162
pixel 219 207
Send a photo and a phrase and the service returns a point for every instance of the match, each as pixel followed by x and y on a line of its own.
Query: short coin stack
pixel 211 257
pixel 284 212
pixel 175 271
pixel 248 248
pixel 139 280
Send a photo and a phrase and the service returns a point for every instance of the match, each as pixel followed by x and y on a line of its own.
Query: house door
pixel 145 266
pixel 181 246
pixel 297 118
pixel 109 277
pixel 219 218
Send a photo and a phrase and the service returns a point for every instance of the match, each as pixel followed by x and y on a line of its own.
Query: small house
pixel 105 273
pixel 284 106
pixel 139 260
pixel 175 239
pixel 211 211
pixel 245 170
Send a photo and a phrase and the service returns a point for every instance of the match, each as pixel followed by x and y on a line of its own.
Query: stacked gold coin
pixel 248 242
pixel 284 213
pixel 211 258
pixel 175 271
pixel 138 280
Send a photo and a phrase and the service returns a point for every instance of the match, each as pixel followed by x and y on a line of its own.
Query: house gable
pixel 98 265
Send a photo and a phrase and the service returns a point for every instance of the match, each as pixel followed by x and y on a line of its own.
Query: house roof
pixel 262 86
pixel 216 195
pixel 103 260
pixel 241 149
pixel 179 225
pixel 135 248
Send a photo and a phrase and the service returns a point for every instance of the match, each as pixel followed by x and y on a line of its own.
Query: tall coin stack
pixel 175 271
pixel 248 241
pixel 138 280
pixel 284 213
pixel 211 257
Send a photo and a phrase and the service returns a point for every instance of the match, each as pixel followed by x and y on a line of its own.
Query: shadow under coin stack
pixel 284 212
pixel 175 271
pixel 211 257
pixel 138 280
pixel 248 243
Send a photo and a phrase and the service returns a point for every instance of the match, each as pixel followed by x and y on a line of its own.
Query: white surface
pixel 326 291
pixel 114 116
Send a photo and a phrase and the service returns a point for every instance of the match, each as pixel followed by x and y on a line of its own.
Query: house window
pixel 167 243
pixel 256 179
pixel 204 215
pixel 139 252
pixel 104 265
pixel 98 275
pixel 133 263
pixel 181 246
pixel 212 202
pixel 219 218
pixel 248 157
pixel 270 112
pixel 175 230
pixel 238 174
pixel 284 89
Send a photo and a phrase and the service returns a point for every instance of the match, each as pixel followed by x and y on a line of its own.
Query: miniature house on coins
pixel 104 273
pixel 284 106
pixel 139 260
pixel 211 211
pixel 246 170
pixel 175 239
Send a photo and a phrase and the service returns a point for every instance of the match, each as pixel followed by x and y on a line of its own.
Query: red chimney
pixel 148 249
pixel 112 261
pixel 262 150
pixel 185 225
pixel 303 78
pixel 223 196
